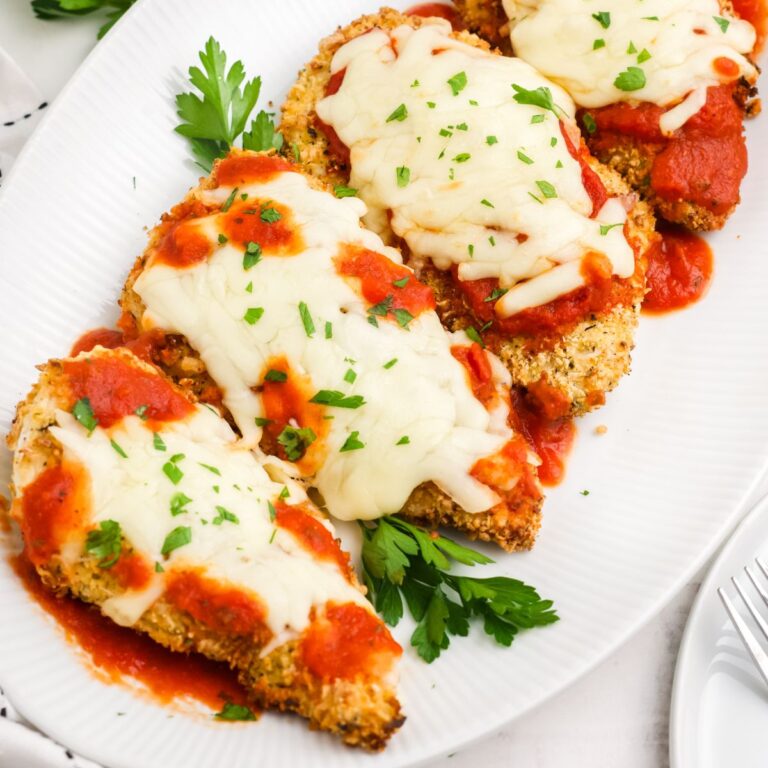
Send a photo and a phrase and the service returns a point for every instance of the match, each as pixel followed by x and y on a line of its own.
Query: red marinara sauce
pixel 312 534
pixel 116 388
pixel 755 12
pixel 55 506
pixel 132 571
pixel 346 642
pixel 679 270
pixel 256 221
pixel 378 276
pixel 703 162
pixel 441 10
pixel 478 369
pixel 240 169
pixel 98 337
pixel 118 653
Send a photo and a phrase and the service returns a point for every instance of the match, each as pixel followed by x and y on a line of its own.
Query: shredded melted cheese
pixel 244 549
pixel 491 184
pixel 585 45
pixel 420 420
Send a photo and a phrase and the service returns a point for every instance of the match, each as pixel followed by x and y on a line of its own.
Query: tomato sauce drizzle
pixel 346 642
pixel 478 369
pixel 679 270
pixel 118 653
pixel 98 337
pixel 755 12
pixel 312 534
pixel 238 170
pixel 441 10
pixel 244 223
pixel 115 389
pixel 132 571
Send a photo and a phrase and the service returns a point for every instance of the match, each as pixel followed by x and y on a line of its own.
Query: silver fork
pixel 759 656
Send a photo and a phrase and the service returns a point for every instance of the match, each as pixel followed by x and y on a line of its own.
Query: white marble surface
pixel 616 716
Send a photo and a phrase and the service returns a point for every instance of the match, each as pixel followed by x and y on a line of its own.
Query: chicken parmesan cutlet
pixel 662 89
pixel 134 498
pixel 473 164
pixel 328 354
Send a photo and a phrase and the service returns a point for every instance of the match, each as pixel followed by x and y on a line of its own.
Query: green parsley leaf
pixel 382 309
pixel 341 191
pixel 141 412
pixel 462 127
pixel 252 255
pixel 403 317
pixel 399 114
pixel 546 189
pixel 492 240
pixel 157 442
pixel 487 203
pixel 271 510
pixel 249 287
pixel 83 414
pixel 537 199
pixel 589 123
pixel 262 136
pixel 224 515
pixel 431 104
pixel 260 421
pixel 230 199
pixel 253 314
pixel 524 158
pixel 284 493
pixel 631 47
pixel 328 330
pixel 212 124
pixel 402 282
pixel 597 44
pixel 553 141
pixel 445 132
pixel 495 294
pixel 474 335
pixel 458 83
pixel 537 119
pixel 274 375
pixel 178 502
pixel 650 18
pixel 159 568
pixel 403 175
pixel 270 215
pixel 337 399
pixel 350 376
pixel 106 543
pixel 178 537
pixel 415 84
pixel 64 9
pixel 491 140
pixel 603 18
pixel 306 319
pixel 212 470
pixel 462 157
pixel 584 492
pixel 722 23
pixel 390 363
pixel 643 56
pixel 232 711
pixel 631 79
pixel 296 440
pixel 606 228
pixel 540 97
pixel 118 449
pixel 172 472
pixel 404 440
pixel 471 250
pixel 352 443
pixel 223 239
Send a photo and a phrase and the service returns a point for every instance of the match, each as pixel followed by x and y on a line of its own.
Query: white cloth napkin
pixel 20 106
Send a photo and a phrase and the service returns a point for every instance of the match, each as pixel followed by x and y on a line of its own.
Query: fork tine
pixel 753 612
pixel 759 656
pixel 758 587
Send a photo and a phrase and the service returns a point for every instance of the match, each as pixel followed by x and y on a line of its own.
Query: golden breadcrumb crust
pixel 362 712
pixel 584 363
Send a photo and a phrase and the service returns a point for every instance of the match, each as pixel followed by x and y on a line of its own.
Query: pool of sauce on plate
pixel 117 654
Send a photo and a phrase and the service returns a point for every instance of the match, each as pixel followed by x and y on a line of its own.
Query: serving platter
pixel 686 444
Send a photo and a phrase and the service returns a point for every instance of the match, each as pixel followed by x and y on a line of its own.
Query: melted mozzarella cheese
pixel 492 186
pixel 673 42
pixel 424 396
pixel 252 553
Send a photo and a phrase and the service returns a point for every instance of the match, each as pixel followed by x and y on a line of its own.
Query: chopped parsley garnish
pixel 589 123
pixel 249 287
pixel 399 114
pixel 270 215
pixel 118 449
pixel 223 239
pixel 352 443
pixel 631 47
pixel 390 363
pixel 458 82
pixel 232 711
pixel 382 309
pixel 492 240
pixel 537 199
pixel 253 314
pixel 271 510
pixel 83 414
pixel 487 203
pixel 178 537
pixel 537 119
pixel 403 175
pixel 177 457
pixel 599 43
pixel 559 164
pixel 274 375
pixel 540 97
pixel 546 189
pixel 402 282
pixel 462 157
pixel 260 421
pixel 141 412
pixel 350 376
pixel 178 502
pixel 228 202
pixel 631 79
pixel 643 56
pixel 553 141
pixel 606 228
pixel 524 158
pixel 337 399
pixel 285 493
pixel 462 127
pixel 252 255
pixel 213 470
pixel 296 440
pixel 159 568
pixel 603 18
pixel 495 294
pixel 404 440
pixel 431 104
pixel 415 84
pixel 306 319
pixel 722 23
pixel 172 472
pixel 405 560
pixel 650 18
pixel 244 196
pixel 491 140
pixel 474 335
pixel 403 317
pixel 445 132
pixel 106 543
pixel 157 442
pixel 224 515
pixel 584 492
pixel 471 250
pixel 328 330
pixel 342 191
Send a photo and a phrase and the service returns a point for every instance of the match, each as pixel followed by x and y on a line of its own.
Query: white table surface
pixel 615 717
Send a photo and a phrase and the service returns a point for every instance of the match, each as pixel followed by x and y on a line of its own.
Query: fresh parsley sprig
pixel 52 10
pixel 213 123
pixel 401 560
